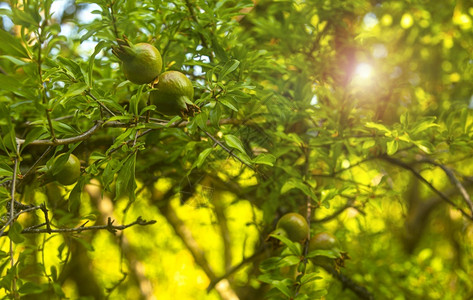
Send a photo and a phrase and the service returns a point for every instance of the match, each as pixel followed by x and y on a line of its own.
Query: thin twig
pixel 354 165
pixel 305 250
pixel 66 141
pixel 99 124
pixel 32 208
pixel 454 181
pixel 30 170
pixel 41 82
pixel 194 18
pixel 319 36
pixel 110 227
pixel 171 36
pixel 12 211
pixel 114 20
pixel 228 150
pixel 347 282
pixel 46 218
pixel 88 93
pixel 336 213
pixel 237 267
pixel 402 164
pixel 342 179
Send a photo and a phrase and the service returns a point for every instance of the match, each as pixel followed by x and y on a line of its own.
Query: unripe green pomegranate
pixel 173 93
pixel 295 226
pixel 67 173
pixel 141 63
pixel 323 241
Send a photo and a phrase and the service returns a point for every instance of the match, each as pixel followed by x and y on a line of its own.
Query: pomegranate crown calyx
pixel 125 49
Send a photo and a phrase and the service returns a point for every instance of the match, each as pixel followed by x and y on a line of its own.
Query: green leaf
pixel 392 147
pixel 404 119
pixel 295 248
pixel 35 134
pixel 53 271
pixel 173 120
pixel 201 120
pixel 10 84
pixel 234 142
pixel 274 263
pixel 76 194
pixel 228 103
pixel 216 115
pixel 265 159
pixel 71 66
pixel 306 278
pixel 379 127
pixel 73 90
pixel 368 144
pixel 294 183
pixel 90 68
pixel 58 290
pixel 91 32
pixel 15 233
pixel 14 60
pixel 9 140
pixel 217 48
pixel 202 156
pixel 5 170
pixel 326 253
pixel 284 286
pixel 244 157
pixel 424 124
pixel 111 169
pixel 29 288
pixel 425 146
pixel 228 68
pixel 125 183
pixel 12 45
pixel 25 18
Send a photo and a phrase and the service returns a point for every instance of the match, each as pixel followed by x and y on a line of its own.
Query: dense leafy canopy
pixel 355 114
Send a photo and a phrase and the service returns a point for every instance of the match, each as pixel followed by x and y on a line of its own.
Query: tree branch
pixel 454 180
pixel 75 139
pixel 10 220
pixel 11 215
pixel 403 165
pixel 228 150
pixel 234 269
pixel 347 282
pixel 99 124
pixel 194 18
pixel 336 213
pixel 110 227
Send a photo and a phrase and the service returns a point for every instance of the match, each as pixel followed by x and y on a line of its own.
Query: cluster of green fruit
pixel 294 227
pixel 172 91
pixel 172 94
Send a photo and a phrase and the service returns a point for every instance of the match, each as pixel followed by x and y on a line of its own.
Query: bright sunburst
pixel 364 71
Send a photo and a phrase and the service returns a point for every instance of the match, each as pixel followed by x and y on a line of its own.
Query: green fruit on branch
pixel 141 63
pixel 295 226
pixel 68 172
pixel 173 94
pixel 323 241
